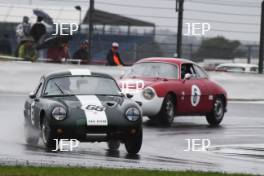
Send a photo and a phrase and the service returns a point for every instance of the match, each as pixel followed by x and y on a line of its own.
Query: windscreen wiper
pixel 59 88
pixel 107 95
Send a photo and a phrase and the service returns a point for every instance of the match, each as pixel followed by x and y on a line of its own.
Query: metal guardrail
pixel 73 61
pixel 63 61
pixel 12 58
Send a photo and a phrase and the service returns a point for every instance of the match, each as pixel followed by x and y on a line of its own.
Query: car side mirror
pixel 32 95
pixel 129 95
pixel 187 76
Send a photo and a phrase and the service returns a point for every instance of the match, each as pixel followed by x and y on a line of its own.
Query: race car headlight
pixel 148 93
pixel 132 114
pixel 59 113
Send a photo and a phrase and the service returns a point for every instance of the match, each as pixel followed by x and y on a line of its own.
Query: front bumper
pixel 76 126
pixel 93 133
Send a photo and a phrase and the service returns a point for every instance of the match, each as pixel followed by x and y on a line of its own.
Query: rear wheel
pixel 133 141
pixel 47 136
pixel 215 117
pixel 31 134
pixel 113 144
pixel 167 112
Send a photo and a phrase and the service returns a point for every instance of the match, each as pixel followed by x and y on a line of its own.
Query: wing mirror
pixel 127 95
pixel 32 95
pixel 187 76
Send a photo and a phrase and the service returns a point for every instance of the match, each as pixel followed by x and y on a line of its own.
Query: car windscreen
pixel 153 69
pixel 81 85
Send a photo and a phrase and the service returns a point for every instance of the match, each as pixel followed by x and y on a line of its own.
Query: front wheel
pixel 133 142
pixel 47 136
pixel 167 112
pixel 215 117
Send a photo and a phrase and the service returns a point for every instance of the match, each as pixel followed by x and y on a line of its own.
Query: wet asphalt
pixel 236 146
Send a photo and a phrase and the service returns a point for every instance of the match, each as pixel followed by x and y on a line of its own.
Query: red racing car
pixel 168 87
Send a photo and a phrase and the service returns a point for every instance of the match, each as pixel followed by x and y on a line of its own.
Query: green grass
pixel 59 171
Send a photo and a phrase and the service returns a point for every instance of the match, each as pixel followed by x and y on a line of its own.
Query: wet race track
pixel 236 146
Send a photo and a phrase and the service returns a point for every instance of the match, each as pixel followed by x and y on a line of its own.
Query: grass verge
pixel 60 171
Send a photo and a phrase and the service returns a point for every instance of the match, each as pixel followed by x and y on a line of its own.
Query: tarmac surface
pixel 236 146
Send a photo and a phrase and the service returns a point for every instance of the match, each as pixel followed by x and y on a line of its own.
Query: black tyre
pixel 31 134
pixel 167 112
pixel 113 144
pixel 215 117
pixel 133 142
pixel 47 136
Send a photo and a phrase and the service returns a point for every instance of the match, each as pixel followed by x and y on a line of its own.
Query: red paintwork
pixel 177 86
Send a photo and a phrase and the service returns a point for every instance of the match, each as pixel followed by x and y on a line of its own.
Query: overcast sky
pixel 241 18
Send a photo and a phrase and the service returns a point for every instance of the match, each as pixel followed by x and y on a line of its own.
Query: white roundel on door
pixel 196 95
